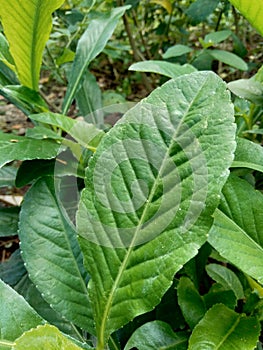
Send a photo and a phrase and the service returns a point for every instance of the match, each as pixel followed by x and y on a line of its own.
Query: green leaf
pixel 29 101
pixel 9 221
pixel 51 253
pixel 41 132
pixel 218 295
pixel 224 329
pixel 44 337
pixel 7 176
pixel 89 101
pixel 5 55
pixel 238 223
pixel 157 335
pixel 227 278
pixel 229 58
pixel 249 89
pixel 171 70
pixel 217 37
pixel 151 189
pixel 199 10
pixel 190 301
pixel 177 50
pixel 16 316
pixel 86 134
pixel 89 46
pixel 14 147
pixel 252 10
pixel 13 269
pixel 27 38
pixel 249 155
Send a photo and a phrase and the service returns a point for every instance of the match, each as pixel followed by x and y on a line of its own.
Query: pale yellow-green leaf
pixel 252 10
pixel 44 338
pixel 165 4
pixel 27 25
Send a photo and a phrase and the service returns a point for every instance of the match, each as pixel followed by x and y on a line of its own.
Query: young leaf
pixel 44 337
pixel 252 10
pixel 224 329
pixel 89 46
pixel 227 278
pixel 52 256
pixel 238 223
pixel 190 301
pixel 16 316
pixel 157 335
pixel 171 70
pixel 14 147
pixel 151 188
pixel 27 38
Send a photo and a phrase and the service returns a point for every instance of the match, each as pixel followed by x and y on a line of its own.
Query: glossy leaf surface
pixel 151 188
pixel 157 335
pixel 224 329
pixel 27 38
pixel 44 337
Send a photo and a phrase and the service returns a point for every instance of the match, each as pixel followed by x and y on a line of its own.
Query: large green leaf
pixel 168 69
pixel 7 176
pixel 151 188
pixel 14 147
pixel 224 329
pixel 252 10
pixel 27 26
pixel 237 231
pixel 52 255
pixel 89 46
pixel 157 335
pixel 16 316
pixel 199 10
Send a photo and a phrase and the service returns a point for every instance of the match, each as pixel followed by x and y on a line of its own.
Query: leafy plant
pixel 127 235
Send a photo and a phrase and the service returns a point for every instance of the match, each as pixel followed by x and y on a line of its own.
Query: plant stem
pixel 6 343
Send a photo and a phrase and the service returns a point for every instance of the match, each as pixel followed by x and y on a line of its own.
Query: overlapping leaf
pixel 52 255
pixel 14 147
pixel 151 188
pixel 89 46
pixel 224 329
pixel 16 316
pixel 27 26
pixel 237 230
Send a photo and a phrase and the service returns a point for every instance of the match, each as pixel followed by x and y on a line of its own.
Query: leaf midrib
pixel 130 249
pixel 34 78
